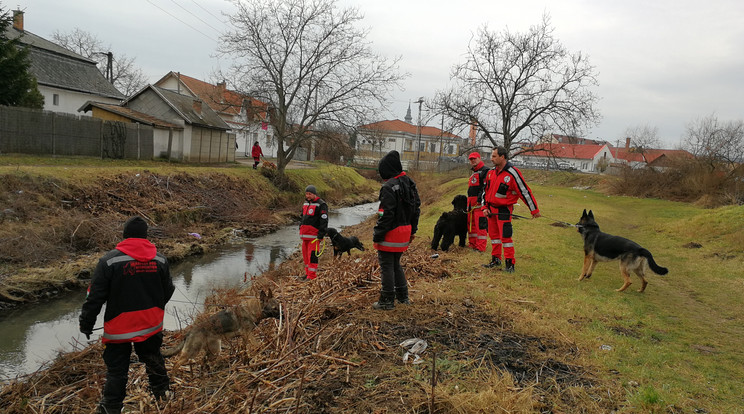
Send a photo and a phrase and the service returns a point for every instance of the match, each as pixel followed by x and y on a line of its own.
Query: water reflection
pixel 32 336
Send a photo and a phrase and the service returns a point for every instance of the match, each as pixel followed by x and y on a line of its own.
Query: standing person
pixel 256 153
pixel 504 186
pixel 477 222
pixel 313 228
pixel 134 282
pixel 396 227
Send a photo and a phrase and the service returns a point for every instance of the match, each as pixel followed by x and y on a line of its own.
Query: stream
pixel 32 336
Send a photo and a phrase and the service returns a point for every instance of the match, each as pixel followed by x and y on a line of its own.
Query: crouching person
pixel 396 226
pixel 135 283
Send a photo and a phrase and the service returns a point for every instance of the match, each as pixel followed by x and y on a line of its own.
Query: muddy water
pixel 30 337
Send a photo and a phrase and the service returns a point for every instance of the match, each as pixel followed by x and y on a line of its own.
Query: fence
pixel 31 131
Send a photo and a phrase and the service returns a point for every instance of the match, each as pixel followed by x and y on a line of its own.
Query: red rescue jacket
pixel 314 221
pixel 400 207
pixel 476 183
pixel 505 187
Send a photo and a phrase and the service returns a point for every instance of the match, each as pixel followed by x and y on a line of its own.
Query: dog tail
pixel 169 352
pixel 652 264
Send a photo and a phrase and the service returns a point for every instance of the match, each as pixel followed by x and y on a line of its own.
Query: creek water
pixel 32 336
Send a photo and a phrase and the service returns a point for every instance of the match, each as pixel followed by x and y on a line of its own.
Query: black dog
pixel 343 244
pixel 452 223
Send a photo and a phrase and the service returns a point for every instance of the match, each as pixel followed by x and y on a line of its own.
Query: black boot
pixel 495 261
pixel 509 267
pixel 386 301
pixel 401 293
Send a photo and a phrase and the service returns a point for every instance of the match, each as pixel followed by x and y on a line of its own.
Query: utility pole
pixel 109 65
pixel 418 147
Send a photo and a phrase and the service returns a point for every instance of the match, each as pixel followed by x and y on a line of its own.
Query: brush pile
pixel 329 352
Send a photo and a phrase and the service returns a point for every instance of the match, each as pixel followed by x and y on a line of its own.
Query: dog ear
pixel 583 214
pixel 591 215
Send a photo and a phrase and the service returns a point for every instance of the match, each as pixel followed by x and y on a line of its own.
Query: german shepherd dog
pixel 343 244
pixel 603 247
pixel 207 334
pixel 452 223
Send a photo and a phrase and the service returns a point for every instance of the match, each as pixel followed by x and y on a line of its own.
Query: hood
pixel 390 165
pixel 478 167
pixel 140 249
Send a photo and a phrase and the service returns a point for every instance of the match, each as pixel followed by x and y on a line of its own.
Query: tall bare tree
pixel 310 62
pixel 715 142
pixel 519 86
pixel 126 76
pixel 643 138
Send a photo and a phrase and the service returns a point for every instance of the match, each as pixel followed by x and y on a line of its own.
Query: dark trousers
pixel 391 271
pixel 256 161
pixel 117 356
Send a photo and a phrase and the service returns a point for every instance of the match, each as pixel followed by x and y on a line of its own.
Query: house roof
pixel 55 66
pixel 184 106
pixel 575 151
pixel 567 139
pixel 651 155
pixel 219 98
pixel 129 113
pixel 397 125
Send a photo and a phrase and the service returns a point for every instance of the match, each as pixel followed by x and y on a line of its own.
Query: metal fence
pixel 31 131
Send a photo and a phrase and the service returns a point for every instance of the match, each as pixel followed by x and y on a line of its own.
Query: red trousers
pixel 477 230
pixel 500 232
pixel 310 248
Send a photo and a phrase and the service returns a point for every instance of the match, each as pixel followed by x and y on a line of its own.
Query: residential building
pixel 651 157
pixel 247 117
pixel 65 79
pixel 591 158
pixel 425 145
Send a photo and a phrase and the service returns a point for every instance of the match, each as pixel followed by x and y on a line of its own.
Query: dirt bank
pixel 53 229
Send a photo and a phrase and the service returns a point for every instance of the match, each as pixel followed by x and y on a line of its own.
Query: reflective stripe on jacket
pixel 314 221
pixel 505 187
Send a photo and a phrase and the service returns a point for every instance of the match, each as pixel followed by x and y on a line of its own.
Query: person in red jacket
pixel 134 282
pixel 256 153
pixel 397 223
pixel 313 228
pixel 503 188
pixel 477 222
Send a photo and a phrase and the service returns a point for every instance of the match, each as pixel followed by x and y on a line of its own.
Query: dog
pixel 452 223
pixel 603 247
pixel 208 333
pixel 343 244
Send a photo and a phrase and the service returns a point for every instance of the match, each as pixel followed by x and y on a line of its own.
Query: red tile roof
pixel 575 151
pixel 397 125
pixel 223 100
pixel 631 155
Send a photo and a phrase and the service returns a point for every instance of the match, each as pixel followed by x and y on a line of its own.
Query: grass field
pixel 676 347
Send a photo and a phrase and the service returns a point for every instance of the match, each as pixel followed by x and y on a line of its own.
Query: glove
pixel 86 331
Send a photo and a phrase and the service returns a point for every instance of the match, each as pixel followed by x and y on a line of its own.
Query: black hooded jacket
pixel 399 200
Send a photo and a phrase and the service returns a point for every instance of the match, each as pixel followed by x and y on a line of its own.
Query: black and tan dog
pixel 207 334
pixel 603 247
pixel 452 223
pixel 343 244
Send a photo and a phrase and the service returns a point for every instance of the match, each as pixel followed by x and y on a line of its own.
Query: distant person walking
pixel 256 153
pixel 134 282
pixel 397 223
pixel 477 222
pixel 313 228
pixel 503 188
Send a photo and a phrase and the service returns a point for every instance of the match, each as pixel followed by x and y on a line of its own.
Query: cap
pixel 311 189
pixel 474 155
pixel 135 227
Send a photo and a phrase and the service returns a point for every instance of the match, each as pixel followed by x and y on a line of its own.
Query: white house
pixel 65 79
pixel 586 158
pixel 246 116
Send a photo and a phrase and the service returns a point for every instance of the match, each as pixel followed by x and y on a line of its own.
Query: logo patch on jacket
pixel 310 211
pixel 380 212
pixel 507 179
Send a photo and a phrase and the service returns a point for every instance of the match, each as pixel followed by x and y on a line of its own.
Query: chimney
pixel 18 20
pixel 221 86
pixel 627 143
pixel 197 106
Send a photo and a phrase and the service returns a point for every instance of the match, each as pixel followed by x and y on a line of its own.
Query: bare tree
pixel 714 142
pixel 310 63
pixel 125 76
pixel 642 139
pixel 519 86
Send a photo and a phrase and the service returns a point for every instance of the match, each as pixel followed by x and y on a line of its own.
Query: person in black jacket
pixel 313 227
pixel 134 282
pixel 396 227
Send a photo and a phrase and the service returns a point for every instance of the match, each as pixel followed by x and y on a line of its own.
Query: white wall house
pixel 65 79
pixel 246 117
pixel 585 158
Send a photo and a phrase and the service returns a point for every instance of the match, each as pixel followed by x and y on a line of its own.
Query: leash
pixel 318 250
pixel 553 220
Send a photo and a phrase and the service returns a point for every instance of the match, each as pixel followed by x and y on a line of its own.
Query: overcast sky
pixel 662 63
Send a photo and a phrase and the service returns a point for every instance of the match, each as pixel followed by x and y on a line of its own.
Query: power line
pixel 192 27
pixel 197 17
pixel 200 6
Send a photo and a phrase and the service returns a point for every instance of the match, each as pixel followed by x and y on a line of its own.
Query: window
pixel 422 146
pixel 450 149
pixel 55 99
pixel 432 147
